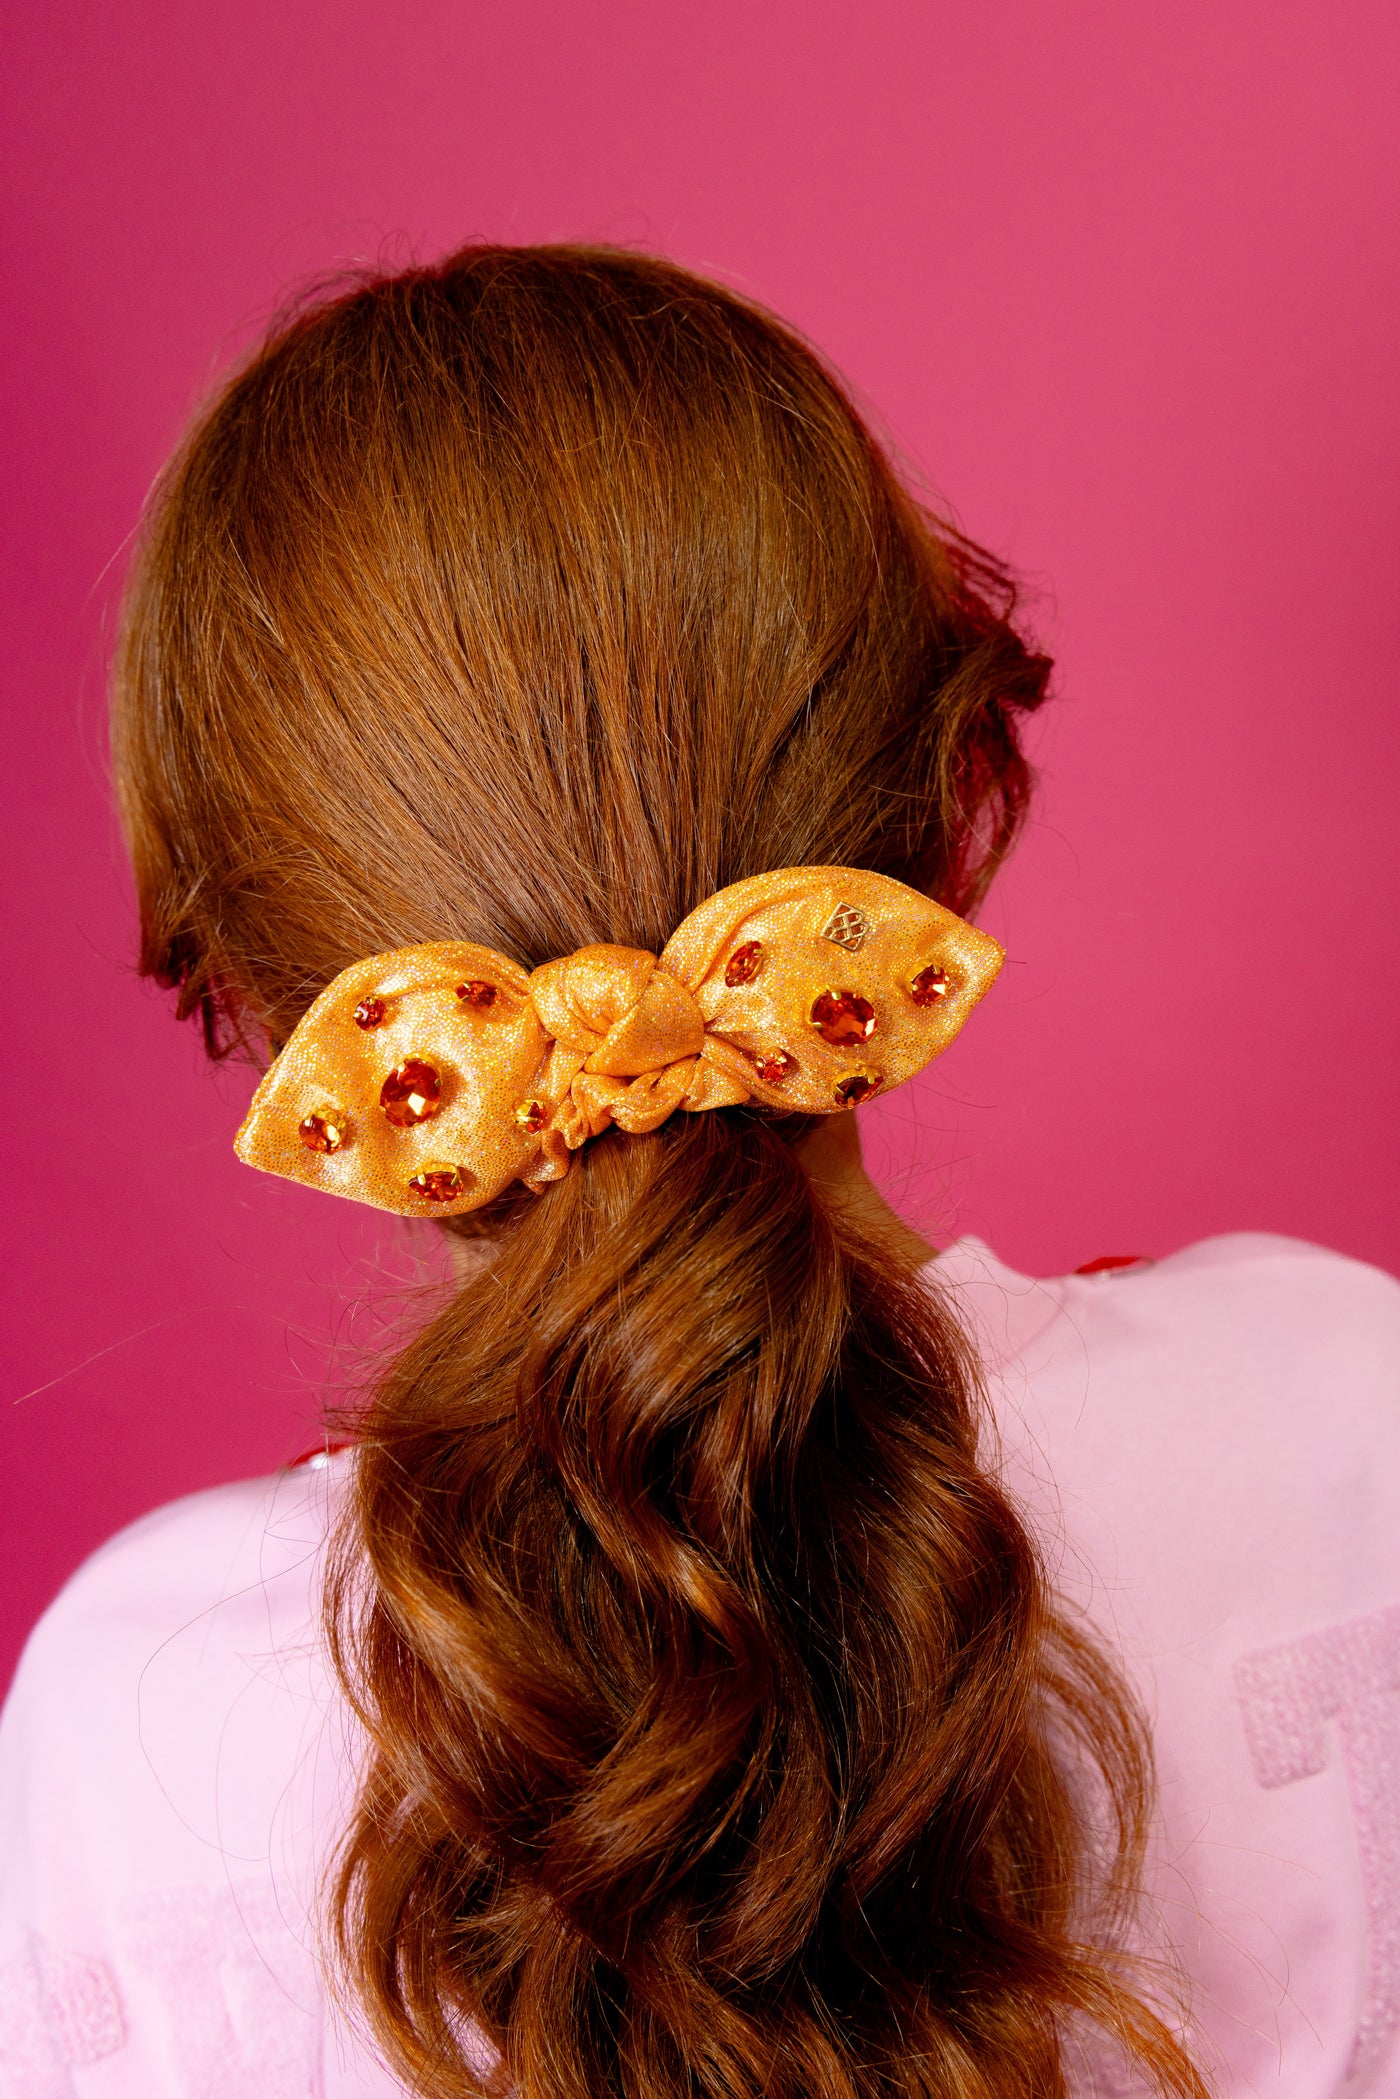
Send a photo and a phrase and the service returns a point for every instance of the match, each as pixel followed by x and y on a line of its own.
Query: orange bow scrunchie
pixel 428 1079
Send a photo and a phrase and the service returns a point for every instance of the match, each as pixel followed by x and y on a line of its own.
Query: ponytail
pixel 707 1670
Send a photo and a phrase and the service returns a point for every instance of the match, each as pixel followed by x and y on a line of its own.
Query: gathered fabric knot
pixel 427 1079
pixel 636 1039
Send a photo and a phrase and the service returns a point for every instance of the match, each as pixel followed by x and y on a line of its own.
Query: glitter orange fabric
pixel 822 993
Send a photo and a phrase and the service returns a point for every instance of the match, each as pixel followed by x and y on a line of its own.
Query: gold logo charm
pixel 848 928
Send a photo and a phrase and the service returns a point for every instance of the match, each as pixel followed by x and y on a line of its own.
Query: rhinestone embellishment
pixel 744 964
pixel 476 994
pixel 843 1018
pixel 441 1184
pixel 929 986
pixel 858 1087
pixel 775 1067
pixel 532 1116
pixel 412 1093
pixel 323 1133
pixel 848 927
pixel 370 1013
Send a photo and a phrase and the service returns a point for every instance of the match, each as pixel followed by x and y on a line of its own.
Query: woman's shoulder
pixel 233 1555
pixel 1233 1271
pixel 1269 1356
pixel 1248 1377
pixel 169 1690
pixel 170 1750
pixel 1209 1444
pixel 1243 1309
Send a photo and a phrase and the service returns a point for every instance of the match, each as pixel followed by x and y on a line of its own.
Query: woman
pixel 719 1700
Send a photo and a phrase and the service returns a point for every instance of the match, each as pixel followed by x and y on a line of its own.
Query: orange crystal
pixel 411 1093
pixel 843 1018
pixel 929 986
pixel 532 1116
pixel 370 1013
pixel 858 1087
pixel 774 1067
pixel 441 1184
pixel 744 964
pixel 322 1133
pixel 475 993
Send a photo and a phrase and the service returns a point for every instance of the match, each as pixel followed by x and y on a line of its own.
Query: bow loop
pixel 426 1080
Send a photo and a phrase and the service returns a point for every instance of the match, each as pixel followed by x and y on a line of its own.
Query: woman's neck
pixel 832 1155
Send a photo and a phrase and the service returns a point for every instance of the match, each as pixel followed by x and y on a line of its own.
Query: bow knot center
pixel 618 1009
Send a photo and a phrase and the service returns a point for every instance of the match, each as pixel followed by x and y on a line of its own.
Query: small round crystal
pixel 440 1184
pixel 856 1088
pixel 843 1018
pixel 325 1132
pixel 929 986
pixel 412 1093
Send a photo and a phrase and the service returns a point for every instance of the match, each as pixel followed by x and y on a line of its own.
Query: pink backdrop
pixel 1121 279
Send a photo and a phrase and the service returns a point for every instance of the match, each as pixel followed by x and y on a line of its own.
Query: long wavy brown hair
pixel 725 1736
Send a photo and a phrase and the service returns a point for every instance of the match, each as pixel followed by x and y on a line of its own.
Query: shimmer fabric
pixel 1209 1446
pixel 426 1080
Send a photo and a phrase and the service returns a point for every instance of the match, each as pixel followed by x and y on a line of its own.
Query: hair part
pixel 726 1737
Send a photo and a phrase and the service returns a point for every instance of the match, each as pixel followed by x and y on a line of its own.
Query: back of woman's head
pixel 722 1724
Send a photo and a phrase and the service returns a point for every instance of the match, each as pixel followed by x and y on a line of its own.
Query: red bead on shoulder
pixel 321 1453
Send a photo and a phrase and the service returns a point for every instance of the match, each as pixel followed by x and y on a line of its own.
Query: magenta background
pixel 1121 279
